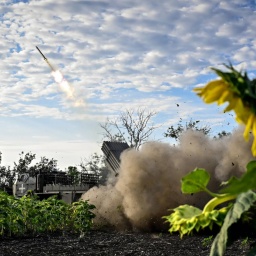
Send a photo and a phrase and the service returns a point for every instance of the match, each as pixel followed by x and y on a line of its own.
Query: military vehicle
pixel 112 151
pixel 67 187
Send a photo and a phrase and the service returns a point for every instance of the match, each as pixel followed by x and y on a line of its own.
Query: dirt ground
pixel 116 243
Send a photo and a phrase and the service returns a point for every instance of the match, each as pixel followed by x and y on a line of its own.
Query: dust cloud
pixel 149 184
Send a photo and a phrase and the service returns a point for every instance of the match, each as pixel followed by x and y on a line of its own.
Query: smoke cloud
pixel 149 184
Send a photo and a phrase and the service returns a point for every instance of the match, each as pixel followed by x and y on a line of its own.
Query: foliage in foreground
pixel 236 89
pixel 185 219
pixel 28 215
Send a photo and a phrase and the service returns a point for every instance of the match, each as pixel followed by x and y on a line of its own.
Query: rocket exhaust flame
pixel 149 184
pixel 59 78
pixel 63 83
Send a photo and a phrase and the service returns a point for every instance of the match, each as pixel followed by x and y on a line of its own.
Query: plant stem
pixel 218 200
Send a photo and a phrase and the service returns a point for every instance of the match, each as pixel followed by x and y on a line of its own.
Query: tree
pixel 175 132
pixel 74 173
pixel 222 134
pixel 95 164
pixel 6 175
pixel 109 134
pixel 46 165
pixel 24 165
pixel 132 126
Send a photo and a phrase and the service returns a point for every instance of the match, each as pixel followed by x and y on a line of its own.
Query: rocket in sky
pixel 46 60
pixel 63 83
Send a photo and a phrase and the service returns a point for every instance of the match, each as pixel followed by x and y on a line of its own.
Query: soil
pixel 113 243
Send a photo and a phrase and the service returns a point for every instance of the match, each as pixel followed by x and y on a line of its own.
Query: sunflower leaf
pixel 245 183
pixel 195 181
pixel 243 203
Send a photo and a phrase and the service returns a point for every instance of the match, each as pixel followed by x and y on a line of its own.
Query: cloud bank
pixel 115 55
pixel 111 51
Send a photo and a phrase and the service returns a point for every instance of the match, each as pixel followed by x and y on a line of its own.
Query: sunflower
pixel 239 92
pixel 251 126
pixel 186 218
pixel 212 91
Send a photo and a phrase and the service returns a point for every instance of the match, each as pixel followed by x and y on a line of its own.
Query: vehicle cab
pixel 23 184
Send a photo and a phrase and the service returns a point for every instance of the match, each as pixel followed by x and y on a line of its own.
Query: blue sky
pixel 116 55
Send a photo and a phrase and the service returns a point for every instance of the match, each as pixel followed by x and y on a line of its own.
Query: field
pixel 110 243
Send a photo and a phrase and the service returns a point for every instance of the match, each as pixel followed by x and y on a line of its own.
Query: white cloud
pixel 117 54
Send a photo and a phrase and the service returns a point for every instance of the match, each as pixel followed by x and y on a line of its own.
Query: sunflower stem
pixel 217 201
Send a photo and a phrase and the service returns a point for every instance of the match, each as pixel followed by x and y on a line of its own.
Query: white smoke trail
pixel 67 89
pixel 64 85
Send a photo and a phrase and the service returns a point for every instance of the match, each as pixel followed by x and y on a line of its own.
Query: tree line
pixel 133 126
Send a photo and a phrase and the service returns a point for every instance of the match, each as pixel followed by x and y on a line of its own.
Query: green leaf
pixel 195 181
pixel 245 183
pixel 242 204
pixel 187 211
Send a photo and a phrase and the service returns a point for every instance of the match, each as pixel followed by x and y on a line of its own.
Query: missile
pixel 51 67
pixel 41 53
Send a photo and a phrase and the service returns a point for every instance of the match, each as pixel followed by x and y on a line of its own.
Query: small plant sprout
pixel 207 241
pixel 245 242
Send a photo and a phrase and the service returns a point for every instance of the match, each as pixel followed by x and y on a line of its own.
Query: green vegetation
pixel 29 216
pixel 185 219
pixel 232 203
pixel 25 164
pixel 245 241
pixel 207 241
pixel 175 132
pixel 236 89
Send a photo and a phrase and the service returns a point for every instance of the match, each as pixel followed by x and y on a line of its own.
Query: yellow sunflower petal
pixel 254 139
pixel 214 94
pixel 254 147
pixel 226 96
pixel 198 89
pixel 211 85
pixel 248 126
pixel 242 113
pixel 254 127
pixel 230 106
pixel 233 103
